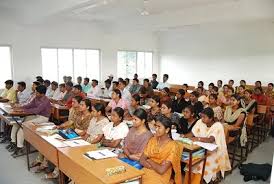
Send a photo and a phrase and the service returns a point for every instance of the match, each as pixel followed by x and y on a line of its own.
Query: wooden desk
pixel 95 100
pixel 191 149
pixel 56 110
pixel 83 170
pixel 7 109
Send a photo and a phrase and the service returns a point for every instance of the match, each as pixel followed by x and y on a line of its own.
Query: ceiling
pixel 154 15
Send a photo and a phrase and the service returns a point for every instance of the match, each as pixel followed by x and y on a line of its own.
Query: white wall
pixel 219 51
pixel 26 41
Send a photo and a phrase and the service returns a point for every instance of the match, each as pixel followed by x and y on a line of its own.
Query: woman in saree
pixel 162 155
pixel 208 131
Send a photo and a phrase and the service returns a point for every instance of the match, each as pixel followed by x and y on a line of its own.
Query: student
pixel 187 122
pixel 126 96
pixel 202 96
pixel 234 114
pixel 146 90
pixel 49 90
pixel 153 112
pixel 249 104
pixel 69 93
pixel 163 84
pixel 241 91
pixel 259 96
pixel 32 94
pixel 116 101
pixel 86 86
pixel 225 100
pixel 55 92
pixel 258 84
pixel 187 94
pixel 165 97
pixel 135 104
pixel 198 106
pixel 40 107
pixel 220 85
pixel 79 80
pixel 135 87
pixel 135 76
pixel 210 87
pixel 231 83
pixel 95 133
pixel 106 92
pixel 270 91
pixel 115 85
pixel 9 93
pixel 162 155
pixel 95 90
pixel 69 78
pixel 128 85
pixel 110 77
pixel 65 79
pixel 208 131
pixel 116 130
pixel 166 110
pixel 218 112
pixel 22 94
pixel 137 137
pixel 179 103
pixel 154 82
pixel 62 89
pixel 201 85
pixel 77 91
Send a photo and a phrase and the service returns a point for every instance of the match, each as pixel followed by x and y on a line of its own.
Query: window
pixel 130 62
pixel 57 62
pixel 5 69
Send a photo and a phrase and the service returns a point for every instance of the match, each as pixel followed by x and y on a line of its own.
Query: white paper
pixel 55 142
pixel 208 146
pixel 76 143
pixel 101 154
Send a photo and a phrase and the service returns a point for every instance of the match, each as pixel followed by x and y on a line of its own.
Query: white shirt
pixel 107 92
pixel 163 85
pixel 128 86
pixel 49 92
pixel 114 133
pixel 57 95
pixel 126 95
pixel 95 91
pixel 23 96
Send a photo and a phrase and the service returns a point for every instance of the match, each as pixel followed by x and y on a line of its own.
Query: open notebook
pixel 100 154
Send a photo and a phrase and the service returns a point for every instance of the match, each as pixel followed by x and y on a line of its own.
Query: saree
pixel 171 152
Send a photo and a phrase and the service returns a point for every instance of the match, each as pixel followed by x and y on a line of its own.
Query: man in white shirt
pixel 22 94
pixel 95 90
pixel 49 90
pixel 125 93
pixel 107 90
pixel 163 84
pixel 55 91
pixel 128 85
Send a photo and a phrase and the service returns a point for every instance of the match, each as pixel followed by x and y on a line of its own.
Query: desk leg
pixel 28 152
pixel 204 164
pixel 190 167
pixel 61 177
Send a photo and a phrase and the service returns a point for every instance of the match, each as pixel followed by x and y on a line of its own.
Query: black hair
pixel 62 85
pixel 120 112
pixel 156 98
pixel 259 88
pixel 168 104
pixel 231 88
pixel 118 92
pixel 38 77
pixel 214 96
pixel 41 89
pixel 41 81
pixel 78 98
pixel 135 79
pixel 9 82
pixel 211 84
pixel 215 88
pixel 154 75
pixel 271 84
pixel 120 79
pixel 191 109
pixel 23 84
pixel 146 80
pixel 136 97
pixel 242 86
pixel 249 91
pixel 127 79
pixel 96 81
pixel 79 77
pixel 181 92
pixel 87 103
pixel 225 85
pixel 47 82
pixel 231 80
pixel 86 79
pixel 196 94
pixel 100 108
pixel 166 89
pixel 107 81
pixel 69 77
pixel 259 82
pixel 186 85
pixel 123 82
pixel 166 122
pixel 36 83
pixel 54 83
pixel 220 81
pixel 238 98
pixel 243 81
pixel 70 84
pixel 79 87
pixel 115 82
pixel 166 75
pixel 208 112
pixel 142 115
pixel 201 82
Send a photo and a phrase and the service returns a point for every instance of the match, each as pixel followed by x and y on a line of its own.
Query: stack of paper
pixel 101 154
pixel 54 141
pixel 76 143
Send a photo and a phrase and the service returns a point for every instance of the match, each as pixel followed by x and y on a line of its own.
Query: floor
pixel 16 172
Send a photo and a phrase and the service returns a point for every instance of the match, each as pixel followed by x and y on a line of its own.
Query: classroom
pixel 136 91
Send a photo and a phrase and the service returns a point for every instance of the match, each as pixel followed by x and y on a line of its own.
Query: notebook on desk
pixel 68 134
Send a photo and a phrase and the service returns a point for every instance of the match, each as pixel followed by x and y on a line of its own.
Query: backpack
pixel 255 172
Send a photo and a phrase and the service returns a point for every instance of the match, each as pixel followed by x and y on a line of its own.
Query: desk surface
pixel 5 107
pixel 84 170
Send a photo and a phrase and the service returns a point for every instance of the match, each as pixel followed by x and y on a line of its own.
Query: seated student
pixel 208 131
pixel 234 114
pixel 231 83
pixel 32 95
pixel 146 90
pixel 202 96
pixel 210 88
pixel 69 94
pixel 187 122
pixel 55 91
pixel 223 92
pixel 241 91
pixel 135 104
pixel 116 101
pixel 166 110
pixel 115 85
pixel 22 94
pixel 259 96
pixel 201 85
pixel 137 137
pixel 79 80
pixel 165 96
pixel 179 103
pixel 154 82
pixel 41 109
pixel 218 112
pixel 95 90
pixel 249 104
pixel 126 96
pixel 162 155
pixel 225 100
pixel 95 133
pixel 77 91
pixel 198 106
pixel 164 84
pixel 106 92
pixel 116 130
pixel 128 85
pixel 270 91
pixel 9 93
pixel 258 84
pixel 220 85
pixel 62 89
pixel 155 110
pixel 135 87
pixel 86 86
pixel 187 94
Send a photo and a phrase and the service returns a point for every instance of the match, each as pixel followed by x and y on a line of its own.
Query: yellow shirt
pixel 9 94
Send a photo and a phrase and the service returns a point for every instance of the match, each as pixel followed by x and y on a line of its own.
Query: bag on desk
pixel 255 171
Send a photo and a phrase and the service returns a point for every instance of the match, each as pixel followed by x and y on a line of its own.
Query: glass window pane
pixel 93 64
pixel 121 64
pixel 148 64
pixel 131 64
pixel 65 65
pixel 5 69
pixel 79 63
pixel 141 64
pixel 49 64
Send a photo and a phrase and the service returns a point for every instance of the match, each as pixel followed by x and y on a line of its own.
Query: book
pixel 100 154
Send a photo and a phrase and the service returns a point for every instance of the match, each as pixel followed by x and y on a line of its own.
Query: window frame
pixel 11 59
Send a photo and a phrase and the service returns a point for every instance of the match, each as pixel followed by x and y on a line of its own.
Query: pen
pixel 102 154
